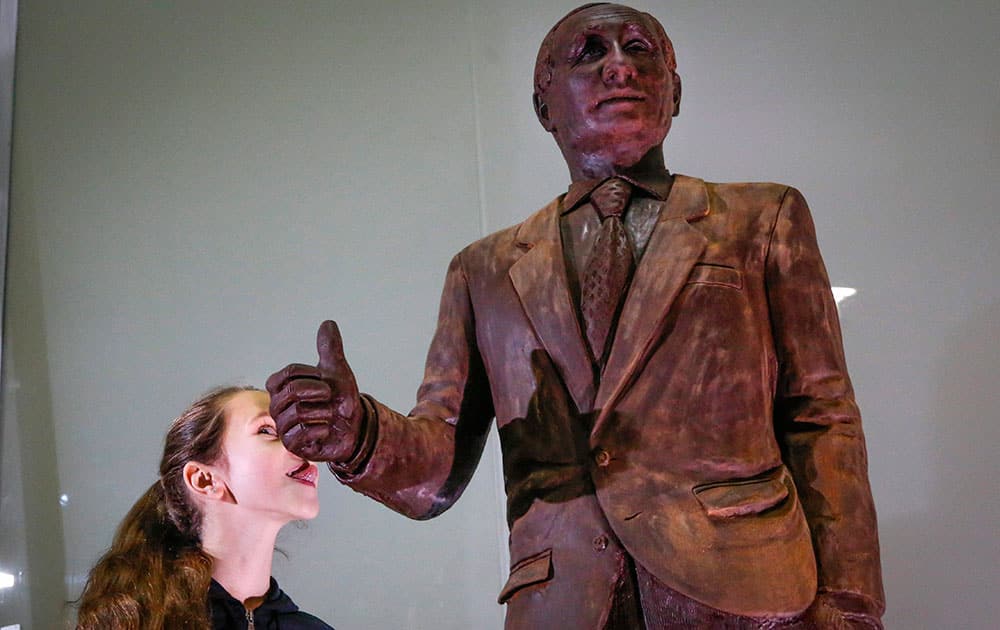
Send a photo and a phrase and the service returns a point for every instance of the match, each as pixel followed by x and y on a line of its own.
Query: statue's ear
pixel 542 111
pixel 677 94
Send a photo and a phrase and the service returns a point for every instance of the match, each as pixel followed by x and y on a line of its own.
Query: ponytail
pixel 153 576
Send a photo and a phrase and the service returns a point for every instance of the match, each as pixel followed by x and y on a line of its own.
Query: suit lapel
pixel 673 249
pixel 540 280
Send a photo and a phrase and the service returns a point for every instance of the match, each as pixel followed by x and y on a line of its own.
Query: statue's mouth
pixel 620 98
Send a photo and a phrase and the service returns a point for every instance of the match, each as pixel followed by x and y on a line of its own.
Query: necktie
pixel 609 266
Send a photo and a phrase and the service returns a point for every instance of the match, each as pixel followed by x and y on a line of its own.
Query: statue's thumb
pixel 330 348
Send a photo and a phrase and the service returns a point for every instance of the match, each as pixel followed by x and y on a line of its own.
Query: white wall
pixel 196 185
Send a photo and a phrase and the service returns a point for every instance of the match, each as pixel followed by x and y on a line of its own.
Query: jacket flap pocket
pixel 716 274
pixel 745 496
pixel 532 570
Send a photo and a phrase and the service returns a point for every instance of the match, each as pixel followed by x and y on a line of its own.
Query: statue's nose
pixel 618 68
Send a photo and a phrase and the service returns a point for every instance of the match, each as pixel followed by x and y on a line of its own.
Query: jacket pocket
pixel 716 274
pixel 741 497
pixel 531 570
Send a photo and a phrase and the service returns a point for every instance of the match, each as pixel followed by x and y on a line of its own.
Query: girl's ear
pixel 203 481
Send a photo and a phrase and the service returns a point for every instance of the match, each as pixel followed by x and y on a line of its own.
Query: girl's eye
pixel 267 429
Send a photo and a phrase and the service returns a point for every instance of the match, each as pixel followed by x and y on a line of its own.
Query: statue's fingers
pixel 332 361
pixel 330 347
pixel 304 413
pixel 297 391
pixel 276 382
pixel 306 440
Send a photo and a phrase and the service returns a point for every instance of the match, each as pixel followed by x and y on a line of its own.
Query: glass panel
pixel 197 185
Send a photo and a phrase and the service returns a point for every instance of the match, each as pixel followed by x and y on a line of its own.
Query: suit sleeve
pixel 816 417
pixel 419 464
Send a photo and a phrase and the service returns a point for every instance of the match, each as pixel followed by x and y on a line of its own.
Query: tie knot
pixel 611 197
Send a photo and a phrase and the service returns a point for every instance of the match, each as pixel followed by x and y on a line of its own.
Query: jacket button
pixel 601 543
pixel 602 457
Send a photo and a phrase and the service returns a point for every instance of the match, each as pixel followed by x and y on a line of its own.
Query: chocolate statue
pixel 663 359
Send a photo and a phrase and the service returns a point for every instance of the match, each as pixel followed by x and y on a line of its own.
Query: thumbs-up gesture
pixel 317 409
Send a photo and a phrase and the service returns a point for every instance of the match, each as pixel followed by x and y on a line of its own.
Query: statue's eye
pixel 592 49
pixel 637 46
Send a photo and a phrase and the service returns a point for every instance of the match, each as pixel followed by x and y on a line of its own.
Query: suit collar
pixel 688 199
pixel 542 226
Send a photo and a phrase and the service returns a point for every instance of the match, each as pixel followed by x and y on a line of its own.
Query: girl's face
pixel 264 478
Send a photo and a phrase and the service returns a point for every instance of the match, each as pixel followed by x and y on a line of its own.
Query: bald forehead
pixel 592 18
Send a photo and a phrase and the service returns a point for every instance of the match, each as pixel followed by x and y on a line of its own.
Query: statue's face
pixel 612 95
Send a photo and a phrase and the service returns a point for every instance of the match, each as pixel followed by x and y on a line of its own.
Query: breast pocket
pixel 719 275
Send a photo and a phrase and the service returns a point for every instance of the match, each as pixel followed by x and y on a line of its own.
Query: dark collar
pixel 656 185
pixel 275 601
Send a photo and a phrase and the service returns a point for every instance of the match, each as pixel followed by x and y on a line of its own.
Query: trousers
pixel 642 602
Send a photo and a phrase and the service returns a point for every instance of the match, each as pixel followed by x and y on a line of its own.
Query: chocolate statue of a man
pixel 663 359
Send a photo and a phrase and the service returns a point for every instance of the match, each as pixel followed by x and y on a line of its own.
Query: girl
pixel 195 550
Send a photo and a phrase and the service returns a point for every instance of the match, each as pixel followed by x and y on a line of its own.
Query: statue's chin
pixel 600 156
pixel 607 160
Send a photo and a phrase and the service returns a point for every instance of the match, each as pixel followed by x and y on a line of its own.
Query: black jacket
pixel 277 612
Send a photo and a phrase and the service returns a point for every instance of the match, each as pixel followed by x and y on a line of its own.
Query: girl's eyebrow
pixel 262 414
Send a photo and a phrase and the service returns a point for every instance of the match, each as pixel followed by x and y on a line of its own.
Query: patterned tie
pixel 609 267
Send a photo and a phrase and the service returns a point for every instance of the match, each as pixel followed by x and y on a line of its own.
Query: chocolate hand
pixel 317 409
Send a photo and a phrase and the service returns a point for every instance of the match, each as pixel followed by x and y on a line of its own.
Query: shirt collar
pixel 656 185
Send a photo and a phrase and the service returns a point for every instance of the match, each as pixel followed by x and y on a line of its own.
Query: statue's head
pixel 606 87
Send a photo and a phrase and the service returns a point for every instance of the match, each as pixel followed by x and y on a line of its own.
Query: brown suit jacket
pixel 721 447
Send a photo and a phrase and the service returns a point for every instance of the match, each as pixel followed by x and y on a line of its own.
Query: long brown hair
pixel 155 575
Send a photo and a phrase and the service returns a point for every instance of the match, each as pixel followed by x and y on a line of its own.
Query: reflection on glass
pixel 842 293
